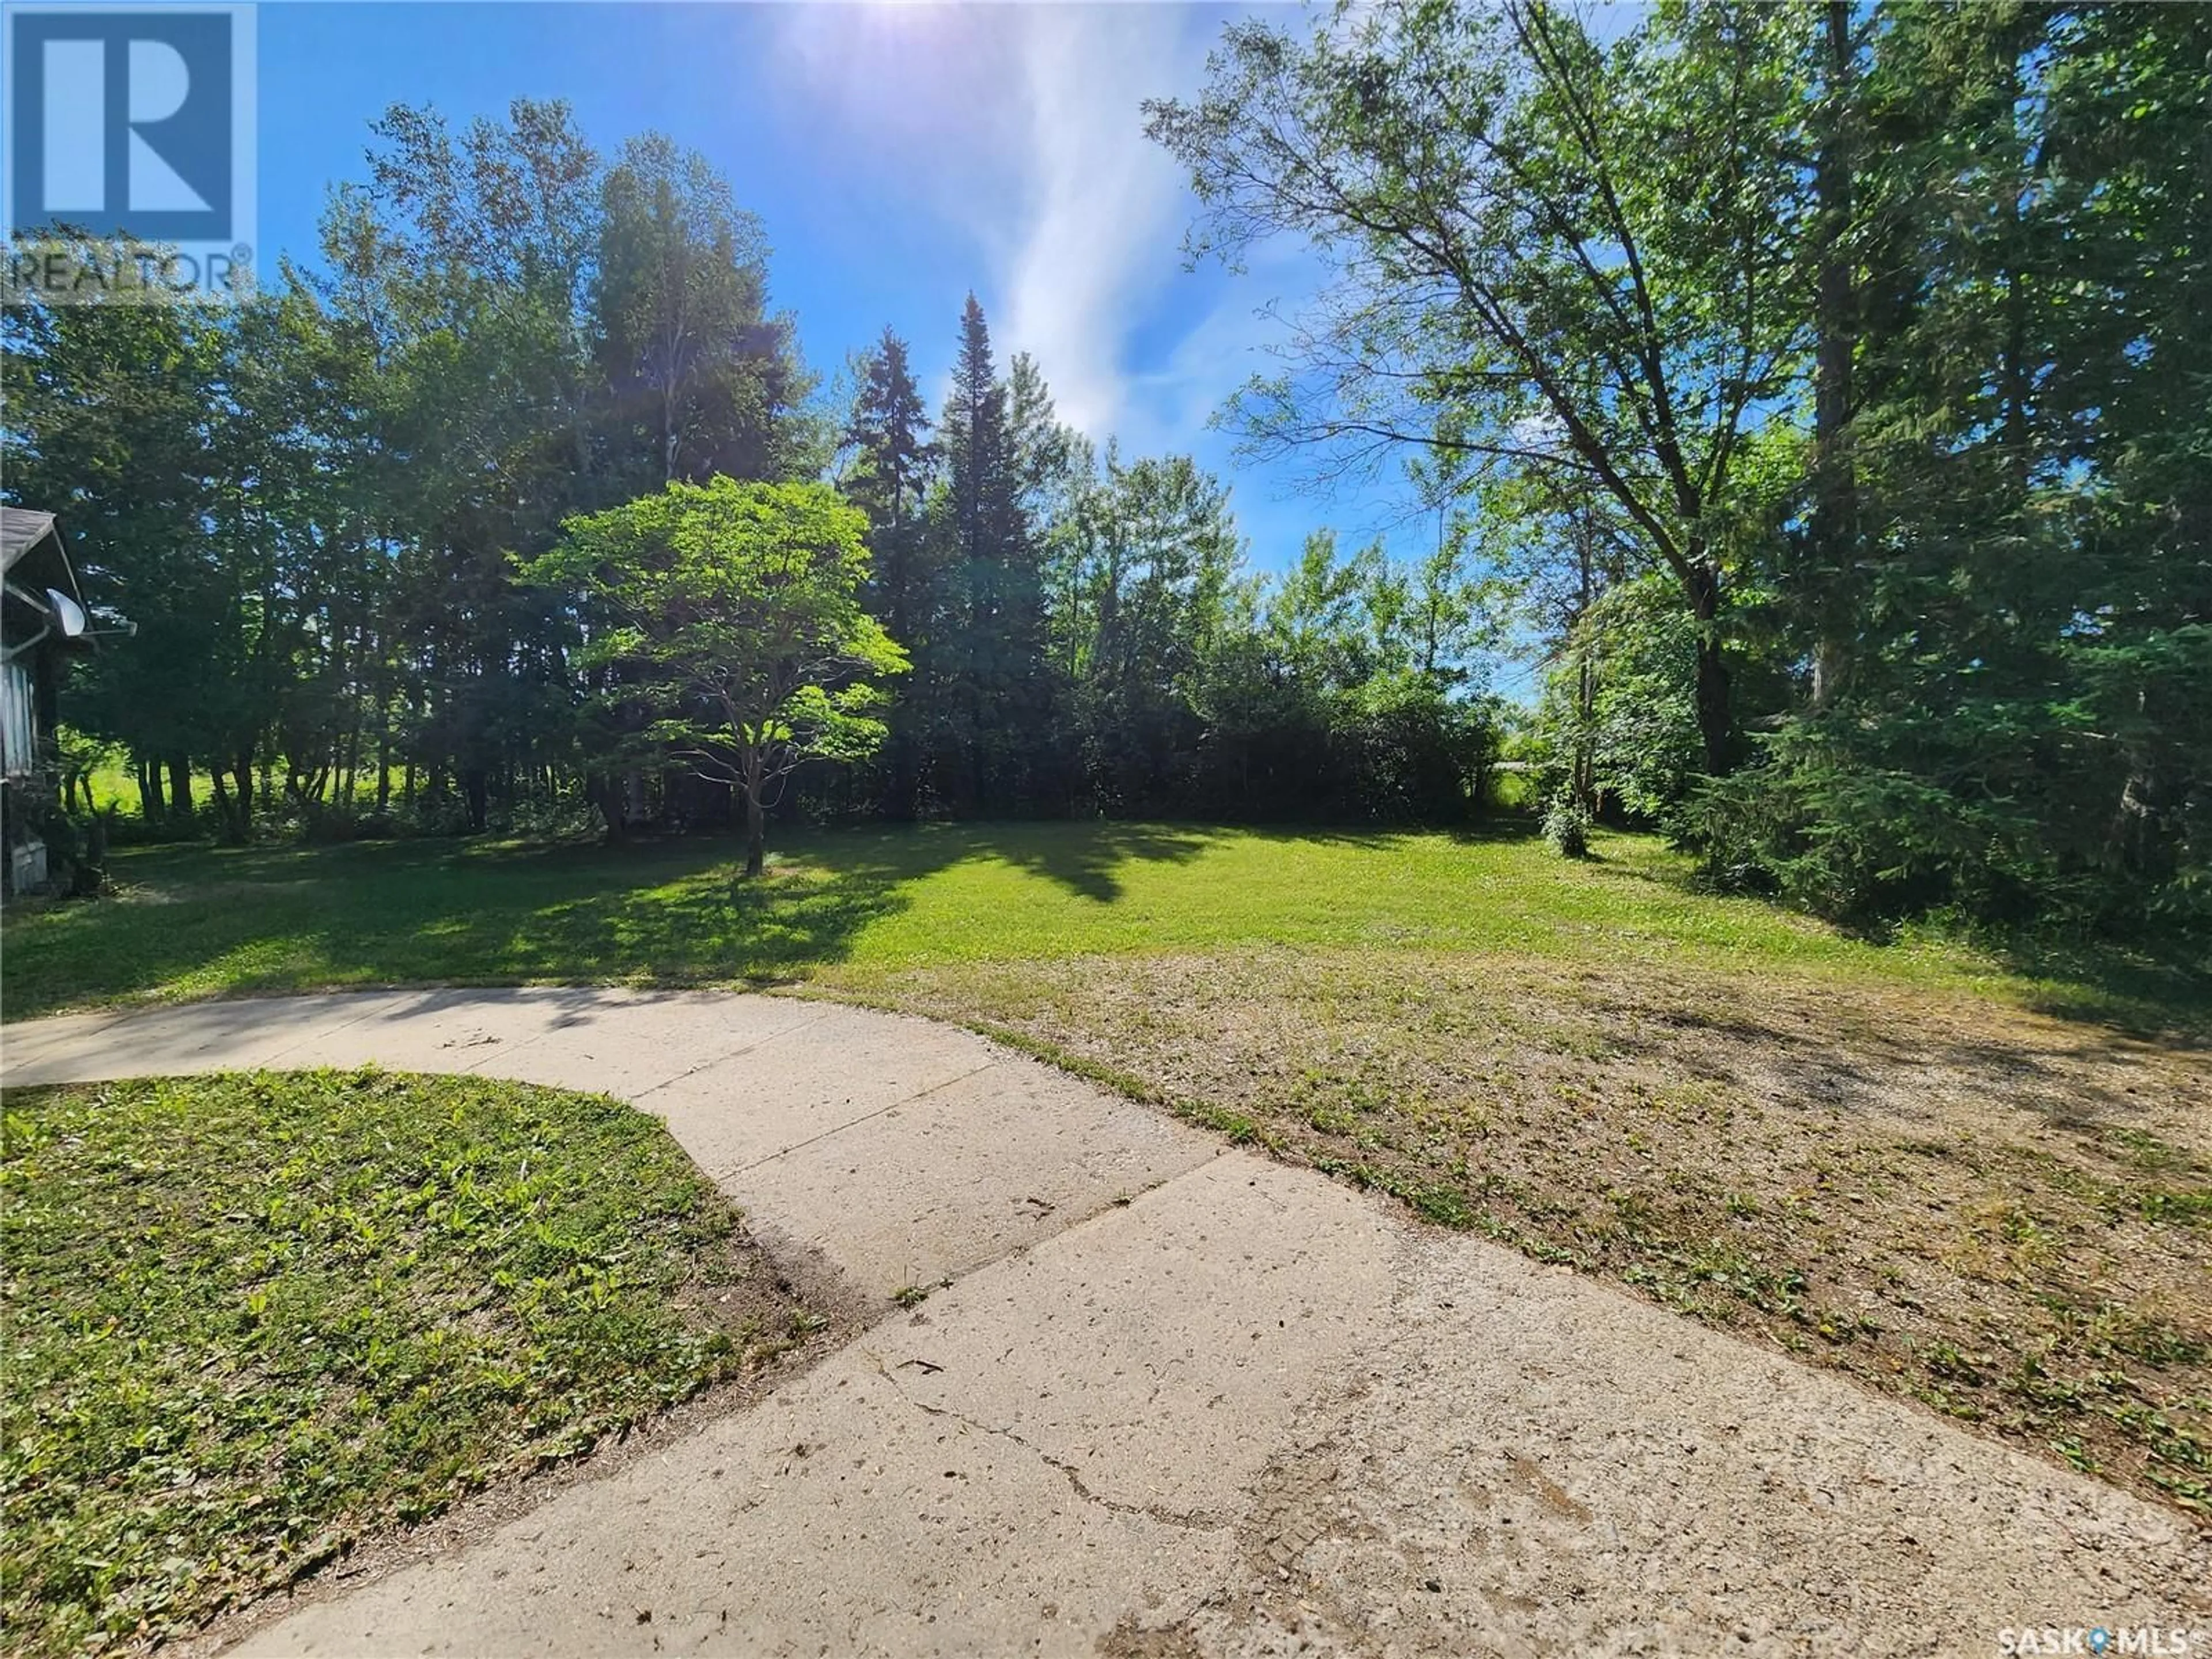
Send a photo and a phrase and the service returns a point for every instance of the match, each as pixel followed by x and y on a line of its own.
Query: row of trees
pixel 1830 383
pixel 1820 389
pixel 1085 637
pixel 336 512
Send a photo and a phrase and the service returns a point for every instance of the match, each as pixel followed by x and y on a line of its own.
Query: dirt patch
pixel 2004 1216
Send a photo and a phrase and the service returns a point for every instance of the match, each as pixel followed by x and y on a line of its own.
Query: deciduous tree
pixel 733 612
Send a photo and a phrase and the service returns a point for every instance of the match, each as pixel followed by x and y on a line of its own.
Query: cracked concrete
pixel 1073 1475
pixel 1176 1399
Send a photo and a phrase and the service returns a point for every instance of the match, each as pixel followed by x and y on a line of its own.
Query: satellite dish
pixel 69 615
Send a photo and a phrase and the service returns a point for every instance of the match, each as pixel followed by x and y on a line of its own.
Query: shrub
pixel 1566 826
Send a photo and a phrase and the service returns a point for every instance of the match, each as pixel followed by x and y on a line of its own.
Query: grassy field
pixel 849 909
pixel 251 1318
pixel 1985 1188
pixel 114 787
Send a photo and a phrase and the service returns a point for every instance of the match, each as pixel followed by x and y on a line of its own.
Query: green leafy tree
pixel 1617 721
pixel 461 271
pixel 701 378
pixel 113 415
pixel 1551 255
pixel 1149 551
pixel 733 612
pixel 1998 581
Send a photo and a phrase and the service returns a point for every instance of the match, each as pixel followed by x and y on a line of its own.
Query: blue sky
pixel 899 155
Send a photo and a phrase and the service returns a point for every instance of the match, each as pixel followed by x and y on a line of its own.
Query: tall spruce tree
pixel 893 463
pixel 1002 714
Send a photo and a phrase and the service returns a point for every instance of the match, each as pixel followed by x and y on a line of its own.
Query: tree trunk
pixel 901 787
pixel 349 772
pixel 242 769
pixel 180 788
pixel 475 790
pixel 226 822
pixel 604 791
pixel 1582 782
pixel 755 819
pixel 151 806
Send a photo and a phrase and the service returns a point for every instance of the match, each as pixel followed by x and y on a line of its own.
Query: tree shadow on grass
pixel 2154 988
pixel 676 912
pixel 214 923
pixel 705 924
pixel 207 921
pixel 1082 857
pixel 2158 988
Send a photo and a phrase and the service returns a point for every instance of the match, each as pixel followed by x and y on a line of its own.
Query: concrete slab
pixel 631 1043
pixel 1159 1353
pixel 957 1176
pixel 836 1518
pixel 426 1031
pixel 27 1041
pixel 1250 1412
pixel 831 1067
pixel 1527 1462
pixel 238 1034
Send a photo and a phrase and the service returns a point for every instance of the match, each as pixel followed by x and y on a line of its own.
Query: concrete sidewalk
pixel 1178 1399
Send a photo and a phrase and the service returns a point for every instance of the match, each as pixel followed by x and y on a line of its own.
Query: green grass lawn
pixel 251 1318
pixel 1985 1188
pixel 115 786
pixel 847 910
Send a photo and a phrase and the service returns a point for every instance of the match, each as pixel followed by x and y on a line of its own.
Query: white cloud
pixel 1023 126
pixel 1104 206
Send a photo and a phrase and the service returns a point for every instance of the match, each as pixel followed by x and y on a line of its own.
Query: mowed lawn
pixel 847 909
pixel 252 1319
pixel 1988 1191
